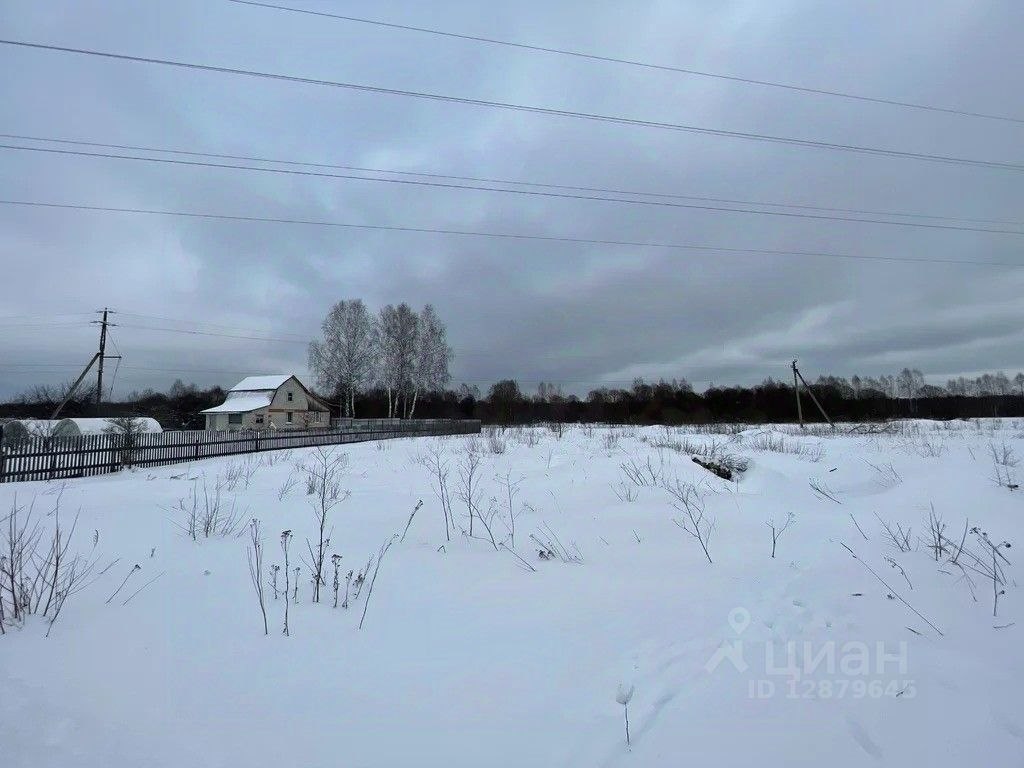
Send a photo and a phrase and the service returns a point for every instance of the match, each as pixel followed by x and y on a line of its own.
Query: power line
pixel 210 333
pixel 507 235
pixel 487 180
pixel 643 64
pixel 201 325
pixel 521 192
pixel 20 326
pixel 45 317
pixel 533 109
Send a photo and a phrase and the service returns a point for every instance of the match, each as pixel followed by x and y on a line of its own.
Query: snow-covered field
pixel 469 656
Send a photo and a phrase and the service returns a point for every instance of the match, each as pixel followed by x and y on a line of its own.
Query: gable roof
pixel 255 392
pixel 243 402
pixel 261 383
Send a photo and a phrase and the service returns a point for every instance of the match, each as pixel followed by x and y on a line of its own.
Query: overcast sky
pixel 579 315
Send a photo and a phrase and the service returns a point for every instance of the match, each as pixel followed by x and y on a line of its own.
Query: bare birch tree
pixel 433 356
pixel 399 331
pixel 344 360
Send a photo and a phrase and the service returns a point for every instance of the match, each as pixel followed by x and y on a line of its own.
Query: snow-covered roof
pixel 243 402
pixel 260 383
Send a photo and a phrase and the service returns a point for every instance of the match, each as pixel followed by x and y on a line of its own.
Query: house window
pixel 289 419
pixel 259 419
pixel 290 397
pixel 234 418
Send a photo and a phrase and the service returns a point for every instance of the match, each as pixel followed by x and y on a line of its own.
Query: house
pixel 278 401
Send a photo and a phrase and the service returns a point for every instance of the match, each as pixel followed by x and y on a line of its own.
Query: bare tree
pixel 909 383
pixel 433 356
pixel 344 360
pixel 1002 384
pixel 399 332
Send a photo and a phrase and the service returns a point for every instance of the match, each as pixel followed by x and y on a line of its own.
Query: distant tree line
pixel 178 408
pixel 905 394
pixel 901 395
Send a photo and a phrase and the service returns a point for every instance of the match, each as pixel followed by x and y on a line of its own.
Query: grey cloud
pixel 579 315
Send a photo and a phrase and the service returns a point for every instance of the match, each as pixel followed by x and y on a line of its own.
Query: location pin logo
pixel 739 620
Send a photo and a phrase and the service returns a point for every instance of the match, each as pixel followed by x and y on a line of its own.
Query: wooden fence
pixel 49 458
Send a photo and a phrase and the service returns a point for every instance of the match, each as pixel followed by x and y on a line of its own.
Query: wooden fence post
pixel 53 457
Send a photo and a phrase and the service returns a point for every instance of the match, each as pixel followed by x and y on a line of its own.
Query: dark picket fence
pixel 50 458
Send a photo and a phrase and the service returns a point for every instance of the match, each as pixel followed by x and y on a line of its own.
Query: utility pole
pixel 96 359
pixel 796 389
pixel 102 355
pixel 797 375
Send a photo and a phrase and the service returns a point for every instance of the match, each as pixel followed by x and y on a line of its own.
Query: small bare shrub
pixel 255 557
pixel 645 474
pixel 510 488
pixel 287 486
pixel 336 562
pixel 822 490
pixel 928 446
pixel 771 442
pixel 779 529
pixel 625 491
pixel 551 547
pixel 435 461
pixel 694 519
pixel 205 513
pixel 886 475
pixel 323 475
pixel 286 541
pixel 1004 461
pixel 373 580
pixel 529 437
pixel 895 535
pixel 38 573
pixel 468 490
pixel 496 443
pixel 936 540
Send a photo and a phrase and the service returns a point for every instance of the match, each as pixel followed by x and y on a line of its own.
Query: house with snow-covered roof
pixel 278 401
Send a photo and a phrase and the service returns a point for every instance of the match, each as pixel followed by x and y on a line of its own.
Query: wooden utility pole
pixel 102 355
pixel 814 399
pixel 97 358
pixel 796 389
